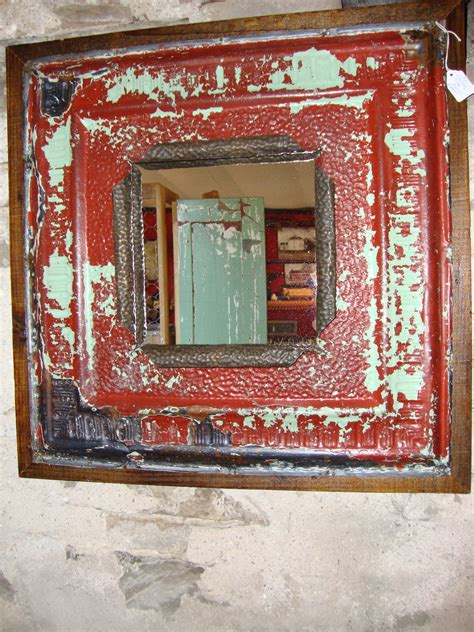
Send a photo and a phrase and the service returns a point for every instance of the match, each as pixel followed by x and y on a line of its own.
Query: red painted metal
pixel 380 389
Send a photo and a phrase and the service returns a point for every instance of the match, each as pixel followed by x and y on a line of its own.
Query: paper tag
pixel 459 85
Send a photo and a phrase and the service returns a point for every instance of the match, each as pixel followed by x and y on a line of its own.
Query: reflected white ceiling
pixel 282 185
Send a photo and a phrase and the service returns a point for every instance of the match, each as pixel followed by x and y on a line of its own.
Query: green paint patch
pixel 58 278
pixel 372 381
pixel 405 294
pixel 405 112
pixel 174 380
pixel 155 87
pixel 166 114
pixel 58 153
pixel 344 100
pixel 341 304
pixel 397 140
pixel 372 63
pixel 93 275
pixel 370 254
pixel 312 70
pixel 206 113
pixel 68 240
pixel 405 197
pixel 249 422
pixel 406 381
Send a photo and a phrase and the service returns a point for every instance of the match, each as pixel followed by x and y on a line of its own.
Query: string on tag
pixel 457 81
pixel 448 33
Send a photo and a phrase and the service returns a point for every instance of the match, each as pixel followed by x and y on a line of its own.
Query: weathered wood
pixel 462 319
pixel 16 166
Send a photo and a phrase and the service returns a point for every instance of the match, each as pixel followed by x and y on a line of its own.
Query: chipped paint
pixel 175 379
pixel 58 153
pixel 372 63
pixel 92 276
pixel 398 143
pixel 375 349
pixel 57 279
pixel 344 100
pixel 372 381
pixel 312 70
pixel 155 87
pixel 206 113
pixel 370 254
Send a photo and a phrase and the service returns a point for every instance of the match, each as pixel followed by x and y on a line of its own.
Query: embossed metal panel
pixel 371 392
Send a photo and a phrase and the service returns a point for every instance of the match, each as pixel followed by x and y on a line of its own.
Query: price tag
pixel 459 85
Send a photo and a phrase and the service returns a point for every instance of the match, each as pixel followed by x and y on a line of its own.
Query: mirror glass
pixel 230 253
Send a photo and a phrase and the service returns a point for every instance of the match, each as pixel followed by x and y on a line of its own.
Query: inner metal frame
pixel 130 259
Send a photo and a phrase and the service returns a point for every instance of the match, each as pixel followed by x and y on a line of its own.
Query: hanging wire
pixel 448 33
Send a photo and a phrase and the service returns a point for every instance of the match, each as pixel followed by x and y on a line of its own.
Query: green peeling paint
pixel 405 292
pixel 175 379
pixel 371 62
pixel 136 81
pixel 68 240
pixel 221 80
pixel 398 143
pixel 405 112
pixel 93 274
pixel 58 153
pixel 206 113
pixel 372 380
pixel 370 253
pixel 312 70
pixel 404 197
pixel 166 114
pixel 57 278
pixel 344 100
pixel 407 382
pixel 341 304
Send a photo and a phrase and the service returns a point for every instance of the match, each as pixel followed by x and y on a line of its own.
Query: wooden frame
pixel 458 479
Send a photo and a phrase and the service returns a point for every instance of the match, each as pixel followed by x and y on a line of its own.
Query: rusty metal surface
pixel 378 392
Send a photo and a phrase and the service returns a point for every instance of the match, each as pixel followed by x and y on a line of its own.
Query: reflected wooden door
pixel 220 271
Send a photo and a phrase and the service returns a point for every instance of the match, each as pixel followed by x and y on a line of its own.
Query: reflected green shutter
pixel 221 271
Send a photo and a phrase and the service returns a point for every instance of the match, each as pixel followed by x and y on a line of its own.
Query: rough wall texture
pixel 85 557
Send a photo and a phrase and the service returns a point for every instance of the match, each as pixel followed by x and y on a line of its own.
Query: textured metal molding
pixel 205 434
pixel 228 356
pixel 218 152
pixel 325 250
pixel 138 260
pixel 129 250
pixel 129 254
pixel 67 425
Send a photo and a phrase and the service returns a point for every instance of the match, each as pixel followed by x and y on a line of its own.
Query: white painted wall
pixel 87 557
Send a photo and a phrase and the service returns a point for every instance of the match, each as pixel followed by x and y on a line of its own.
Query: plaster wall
pixel 85 557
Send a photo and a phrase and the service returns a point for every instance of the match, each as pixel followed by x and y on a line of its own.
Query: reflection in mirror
pixel 230 253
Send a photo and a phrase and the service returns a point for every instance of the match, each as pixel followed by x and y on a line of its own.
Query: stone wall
pixel 87 557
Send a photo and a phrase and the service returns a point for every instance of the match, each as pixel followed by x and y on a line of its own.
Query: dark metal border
pixel 129 249
pixel 129 254
pixel 71 428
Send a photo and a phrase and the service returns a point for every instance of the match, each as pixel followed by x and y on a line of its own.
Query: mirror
pixel 230 253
